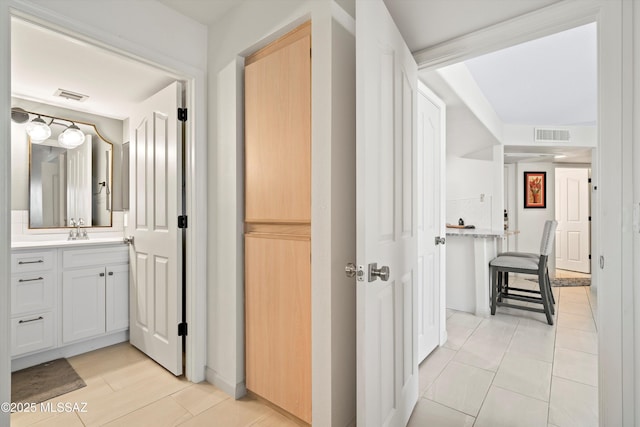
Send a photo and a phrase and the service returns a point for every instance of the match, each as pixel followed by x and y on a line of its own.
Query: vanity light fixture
pixel 71 137
pixel 38 130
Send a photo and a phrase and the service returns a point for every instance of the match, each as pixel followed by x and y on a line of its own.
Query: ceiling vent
pixel 552 135
pixel 67 94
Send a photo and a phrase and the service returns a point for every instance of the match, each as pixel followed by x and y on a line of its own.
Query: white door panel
pixel 386 76
pixel 573 243
pixel 155 256
pixel 430 142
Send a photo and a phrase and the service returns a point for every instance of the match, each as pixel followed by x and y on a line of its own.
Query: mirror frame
pixel 97 132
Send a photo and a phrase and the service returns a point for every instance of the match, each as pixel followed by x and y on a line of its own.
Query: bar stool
pixel 533 256
pixel 526 265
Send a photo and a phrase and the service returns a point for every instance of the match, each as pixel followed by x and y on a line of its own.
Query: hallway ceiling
pixel 425 23
pixel 205 12
pixel 43 61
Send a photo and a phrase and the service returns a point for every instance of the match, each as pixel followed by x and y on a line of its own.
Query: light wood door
pixel 277 130
pixel 573 242
pixel 430 146
pixel 386 312
pixel 278 219
pixel 155 256
pixel 278 316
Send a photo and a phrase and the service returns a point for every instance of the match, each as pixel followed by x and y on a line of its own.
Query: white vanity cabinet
pixel 95 292
pixel 67 299
pixel 33 308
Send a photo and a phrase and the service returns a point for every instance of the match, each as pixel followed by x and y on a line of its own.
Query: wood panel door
pixel 278 316
pixel 431 146
pixel 277 130
pixel 155 256
pixel 387 235
pixel 573 240
pixel 278 219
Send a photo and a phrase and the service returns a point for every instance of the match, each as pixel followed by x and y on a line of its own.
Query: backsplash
pixel 475 211
pixel 20 231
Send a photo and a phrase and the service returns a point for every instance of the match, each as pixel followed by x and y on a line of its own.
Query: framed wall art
pixel 535 190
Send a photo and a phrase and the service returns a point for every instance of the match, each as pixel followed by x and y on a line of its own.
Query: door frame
pixel 614 18
pixel 194 79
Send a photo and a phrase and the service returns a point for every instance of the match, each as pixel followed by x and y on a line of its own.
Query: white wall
pixel 467 180
pixel 581 136
pixel 246 28
pixel 530 222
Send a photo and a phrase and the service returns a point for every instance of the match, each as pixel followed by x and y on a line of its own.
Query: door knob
pixel 128 240
pixel 375 272
pixel 440 240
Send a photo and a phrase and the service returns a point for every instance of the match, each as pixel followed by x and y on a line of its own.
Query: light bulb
pixel 72 137
pixel 38 130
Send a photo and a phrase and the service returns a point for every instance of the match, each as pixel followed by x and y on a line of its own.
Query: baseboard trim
pixel 234 390
pixel 70 350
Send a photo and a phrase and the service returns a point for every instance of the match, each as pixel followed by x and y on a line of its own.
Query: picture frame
pixel 535 190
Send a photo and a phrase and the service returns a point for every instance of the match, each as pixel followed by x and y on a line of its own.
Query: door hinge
pixel 589 256
pixel 182 221
pixel 182 114
pixel 182 329
pixel 589 181
pixel 589 218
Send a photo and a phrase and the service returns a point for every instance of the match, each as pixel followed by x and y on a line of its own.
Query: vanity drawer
pixel 25 262
pixel 32 292
pixel 32 333
pixel 81 258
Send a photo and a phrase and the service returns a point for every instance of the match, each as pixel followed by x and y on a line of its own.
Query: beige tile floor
pixel 513 369
pixel 125 388
pixel 507 370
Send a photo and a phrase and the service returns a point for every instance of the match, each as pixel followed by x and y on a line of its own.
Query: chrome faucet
pixel 73 234
pixel 81 235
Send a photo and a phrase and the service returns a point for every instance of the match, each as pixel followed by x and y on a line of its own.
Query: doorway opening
pixel 114 83
pixel 488 152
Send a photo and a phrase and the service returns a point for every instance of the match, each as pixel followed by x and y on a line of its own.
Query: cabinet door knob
pixel 101 274
pixel 111 273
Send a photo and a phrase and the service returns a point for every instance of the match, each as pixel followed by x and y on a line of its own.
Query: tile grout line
pixel 496 372
pixel 553 359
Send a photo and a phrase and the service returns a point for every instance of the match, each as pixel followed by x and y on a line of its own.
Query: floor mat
pixel 574 281
pixel 43 382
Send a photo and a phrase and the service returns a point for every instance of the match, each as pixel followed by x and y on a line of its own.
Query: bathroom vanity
pixel 67 297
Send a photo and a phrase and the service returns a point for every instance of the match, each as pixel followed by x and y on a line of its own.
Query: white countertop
pixel 66 243
pixel 475 232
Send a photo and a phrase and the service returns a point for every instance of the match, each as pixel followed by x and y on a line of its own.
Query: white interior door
pixel 572 213
pixel 386 79
pixel 430 145
pixel 155 203
pixel 79 191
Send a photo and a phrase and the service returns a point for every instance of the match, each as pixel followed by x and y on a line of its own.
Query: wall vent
pixel 74 96
pixel 552 135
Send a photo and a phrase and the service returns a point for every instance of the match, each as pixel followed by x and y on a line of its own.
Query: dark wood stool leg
pixel 544 294
pixel 496 277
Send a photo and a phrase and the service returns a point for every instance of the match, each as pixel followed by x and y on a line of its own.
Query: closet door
pixel 278 222
pixel 278 321
pixel 278 131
